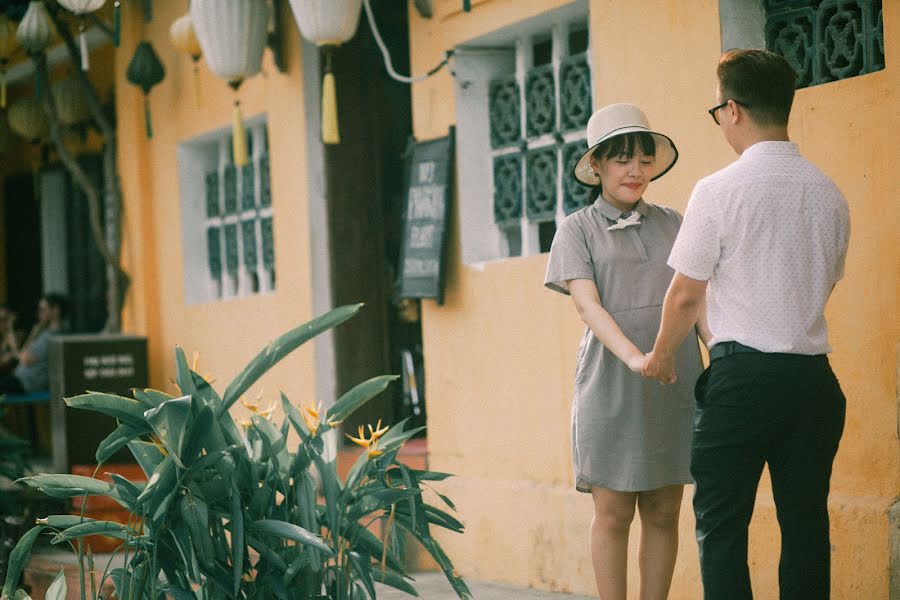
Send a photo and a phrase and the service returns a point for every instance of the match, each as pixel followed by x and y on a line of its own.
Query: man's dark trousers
pixel 753 408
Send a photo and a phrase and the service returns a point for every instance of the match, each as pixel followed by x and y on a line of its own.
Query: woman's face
pixel 624 179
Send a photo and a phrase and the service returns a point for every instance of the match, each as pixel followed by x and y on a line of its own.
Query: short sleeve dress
pixel 629 433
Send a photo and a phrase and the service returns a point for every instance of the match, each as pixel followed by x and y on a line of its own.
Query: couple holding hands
pixel 748 270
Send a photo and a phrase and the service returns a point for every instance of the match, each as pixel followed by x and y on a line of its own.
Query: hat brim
pixel 666 156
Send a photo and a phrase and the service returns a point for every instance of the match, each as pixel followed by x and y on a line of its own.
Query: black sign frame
pixel 427 195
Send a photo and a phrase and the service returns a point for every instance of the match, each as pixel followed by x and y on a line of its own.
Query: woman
pixel 631 436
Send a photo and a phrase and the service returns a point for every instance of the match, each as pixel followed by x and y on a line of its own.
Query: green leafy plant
pixel 229 511
pixel 13 465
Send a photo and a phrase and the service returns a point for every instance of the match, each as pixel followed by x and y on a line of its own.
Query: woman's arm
pixel 590 309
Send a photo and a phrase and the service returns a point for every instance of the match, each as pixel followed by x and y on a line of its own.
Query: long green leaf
pixel 289 531
pixel 119 407
pixel 105 528
pixel 149 397
pixel 360 564
pixel 237 538
pixel 280 348
pixel 395 581
pixel 148 455
pixel 57 589
pixel 17 559
pixel 356 397
pixel 171 421
pixel 68 486
pixel 118 439
pixel 63 521
pixel 183 376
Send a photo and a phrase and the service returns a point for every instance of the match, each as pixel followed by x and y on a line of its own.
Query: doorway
pixel 364 182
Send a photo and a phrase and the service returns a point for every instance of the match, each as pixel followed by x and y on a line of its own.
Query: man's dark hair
pixel 59 302
pixel 762 81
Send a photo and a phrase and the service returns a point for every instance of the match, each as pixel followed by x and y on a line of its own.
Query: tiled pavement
pixel 433 586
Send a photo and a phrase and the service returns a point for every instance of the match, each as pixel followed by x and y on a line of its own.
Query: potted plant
pixel 232 511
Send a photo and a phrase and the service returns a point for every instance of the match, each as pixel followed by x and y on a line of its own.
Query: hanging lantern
pixel 81 8
pixel 36 29
pixel 232 35
pixel 327 23
pixel 71 102
pixel 183 37
pixel 28 120
pixel 7 48
pixel 145 70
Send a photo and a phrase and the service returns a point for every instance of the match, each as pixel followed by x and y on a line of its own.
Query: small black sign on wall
pixel 429 175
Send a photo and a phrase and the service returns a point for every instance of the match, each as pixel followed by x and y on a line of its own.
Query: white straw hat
pixel 619 119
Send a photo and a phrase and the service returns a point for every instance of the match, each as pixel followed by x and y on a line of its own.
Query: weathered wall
pixel 500 353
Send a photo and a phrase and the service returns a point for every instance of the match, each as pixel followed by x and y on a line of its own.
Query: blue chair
pixel 30 400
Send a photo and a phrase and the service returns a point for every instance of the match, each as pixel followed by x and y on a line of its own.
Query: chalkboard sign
pixel 427 194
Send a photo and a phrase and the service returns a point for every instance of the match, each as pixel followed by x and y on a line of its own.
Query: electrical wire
pixel 388 65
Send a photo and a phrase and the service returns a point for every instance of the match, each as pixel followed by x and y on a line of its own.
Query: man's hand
pixel 660 367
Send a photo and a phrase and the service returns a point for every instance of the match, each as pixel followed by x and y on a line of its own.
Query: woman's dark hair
pixel 622 145
pixel 761 80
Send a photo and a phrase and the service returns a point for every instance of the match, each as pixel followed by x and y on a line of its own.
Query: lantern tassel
pixel 117 23
pixel 2 89
pixel 148 123
pixel 196 84
pixel 238 137
pixel 330 131
pixel 148 10
pixel 82 38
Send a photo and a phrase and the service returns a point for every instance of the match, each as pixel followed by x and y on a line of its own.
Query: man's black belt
pixel 723 349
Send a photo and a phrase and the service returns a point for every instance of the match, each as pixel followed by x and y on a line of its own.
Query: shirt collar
pixel 761 148
pixel 612 213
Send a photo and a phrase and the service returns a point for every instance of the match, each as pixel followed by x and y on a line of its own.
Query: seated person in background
pixel 30 375
pixel 9 344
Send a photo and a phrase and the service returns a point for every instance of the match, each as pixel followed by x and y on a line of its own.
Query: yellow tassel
pixel 3 89
pixel 330 132
pixel 238 137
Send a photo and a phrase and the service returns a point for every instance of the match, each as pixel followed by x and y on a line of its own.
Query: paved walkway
pixel 433 586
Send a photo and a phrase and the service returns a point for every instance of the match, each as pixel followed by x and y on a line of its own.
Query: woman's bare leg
pixel 613 513
pixel 659 511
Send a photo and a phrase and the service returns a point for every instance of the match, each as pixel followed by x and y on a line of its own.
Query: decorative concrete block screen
pixel 827 40
pixel 524 96
pixel 226 217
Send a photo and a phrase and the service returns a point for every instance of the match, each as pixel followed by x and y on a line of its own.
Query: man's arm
pixel 590 309
pixel 681 309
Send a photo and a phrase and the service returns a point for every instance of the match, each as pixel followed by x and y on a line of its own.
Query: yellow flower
pixel 310 415
pixel 256 410
pixel 370 443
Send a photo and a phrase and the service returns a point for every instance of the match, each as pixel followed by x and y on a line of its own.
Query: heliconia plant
pixel 230 511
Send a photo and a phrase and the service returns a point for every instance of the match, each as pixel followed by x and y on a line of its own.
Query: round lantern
pixel 7 48
pixel 327 23
pixel 28 120
pixel 71 102
pixel 183 37
pixel 232 36
pixel 81 8
pixel 145 71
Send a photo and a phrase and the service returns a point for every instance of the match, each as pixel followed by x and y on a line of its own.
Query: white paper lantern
pixel 80 8
pixel 327 22
pixel 183 37
pixel 232 35
pixel 36 29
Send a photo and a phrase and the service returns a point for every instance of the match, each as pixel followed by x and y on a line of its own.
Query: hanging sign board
pixel 429 175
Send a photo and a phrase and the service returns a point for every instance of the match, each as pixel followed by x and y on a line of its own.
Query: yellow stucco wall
pixel 500 353
pixel 227 333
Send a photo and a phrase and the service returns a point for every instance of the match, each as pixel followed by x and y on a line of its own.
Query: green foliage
pixel 14 453
pixel 231 511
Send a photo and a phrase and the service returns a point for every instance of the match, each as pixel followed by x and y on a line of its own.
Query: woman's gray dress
pixel 629 433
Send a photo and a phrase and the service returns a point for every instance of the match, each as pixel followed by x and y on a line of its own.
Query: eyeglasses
pixel 714 111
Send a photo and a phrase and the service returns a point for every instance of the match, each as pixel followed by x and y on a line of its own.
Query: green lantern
pixel 145 70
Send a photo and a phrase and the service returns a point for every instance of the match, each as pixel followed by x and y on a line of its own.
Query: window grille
pixel 827 40
pixel 537 120
pixel 238 220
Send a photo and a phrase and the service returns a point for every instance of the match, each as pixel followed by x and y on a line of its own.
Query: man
pixel 768 236
pixel 30 375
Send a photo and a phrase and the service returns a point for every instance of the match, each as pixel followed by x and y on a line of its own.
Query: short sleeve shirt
pixel 34 377
pixel 770 234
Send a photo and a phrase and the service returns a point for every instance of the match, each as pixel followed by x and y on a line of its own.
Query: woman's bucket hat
pixel 619 119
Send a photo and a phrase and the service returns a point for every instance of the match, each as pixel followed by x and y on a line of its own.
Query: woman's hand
pixel 637 362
